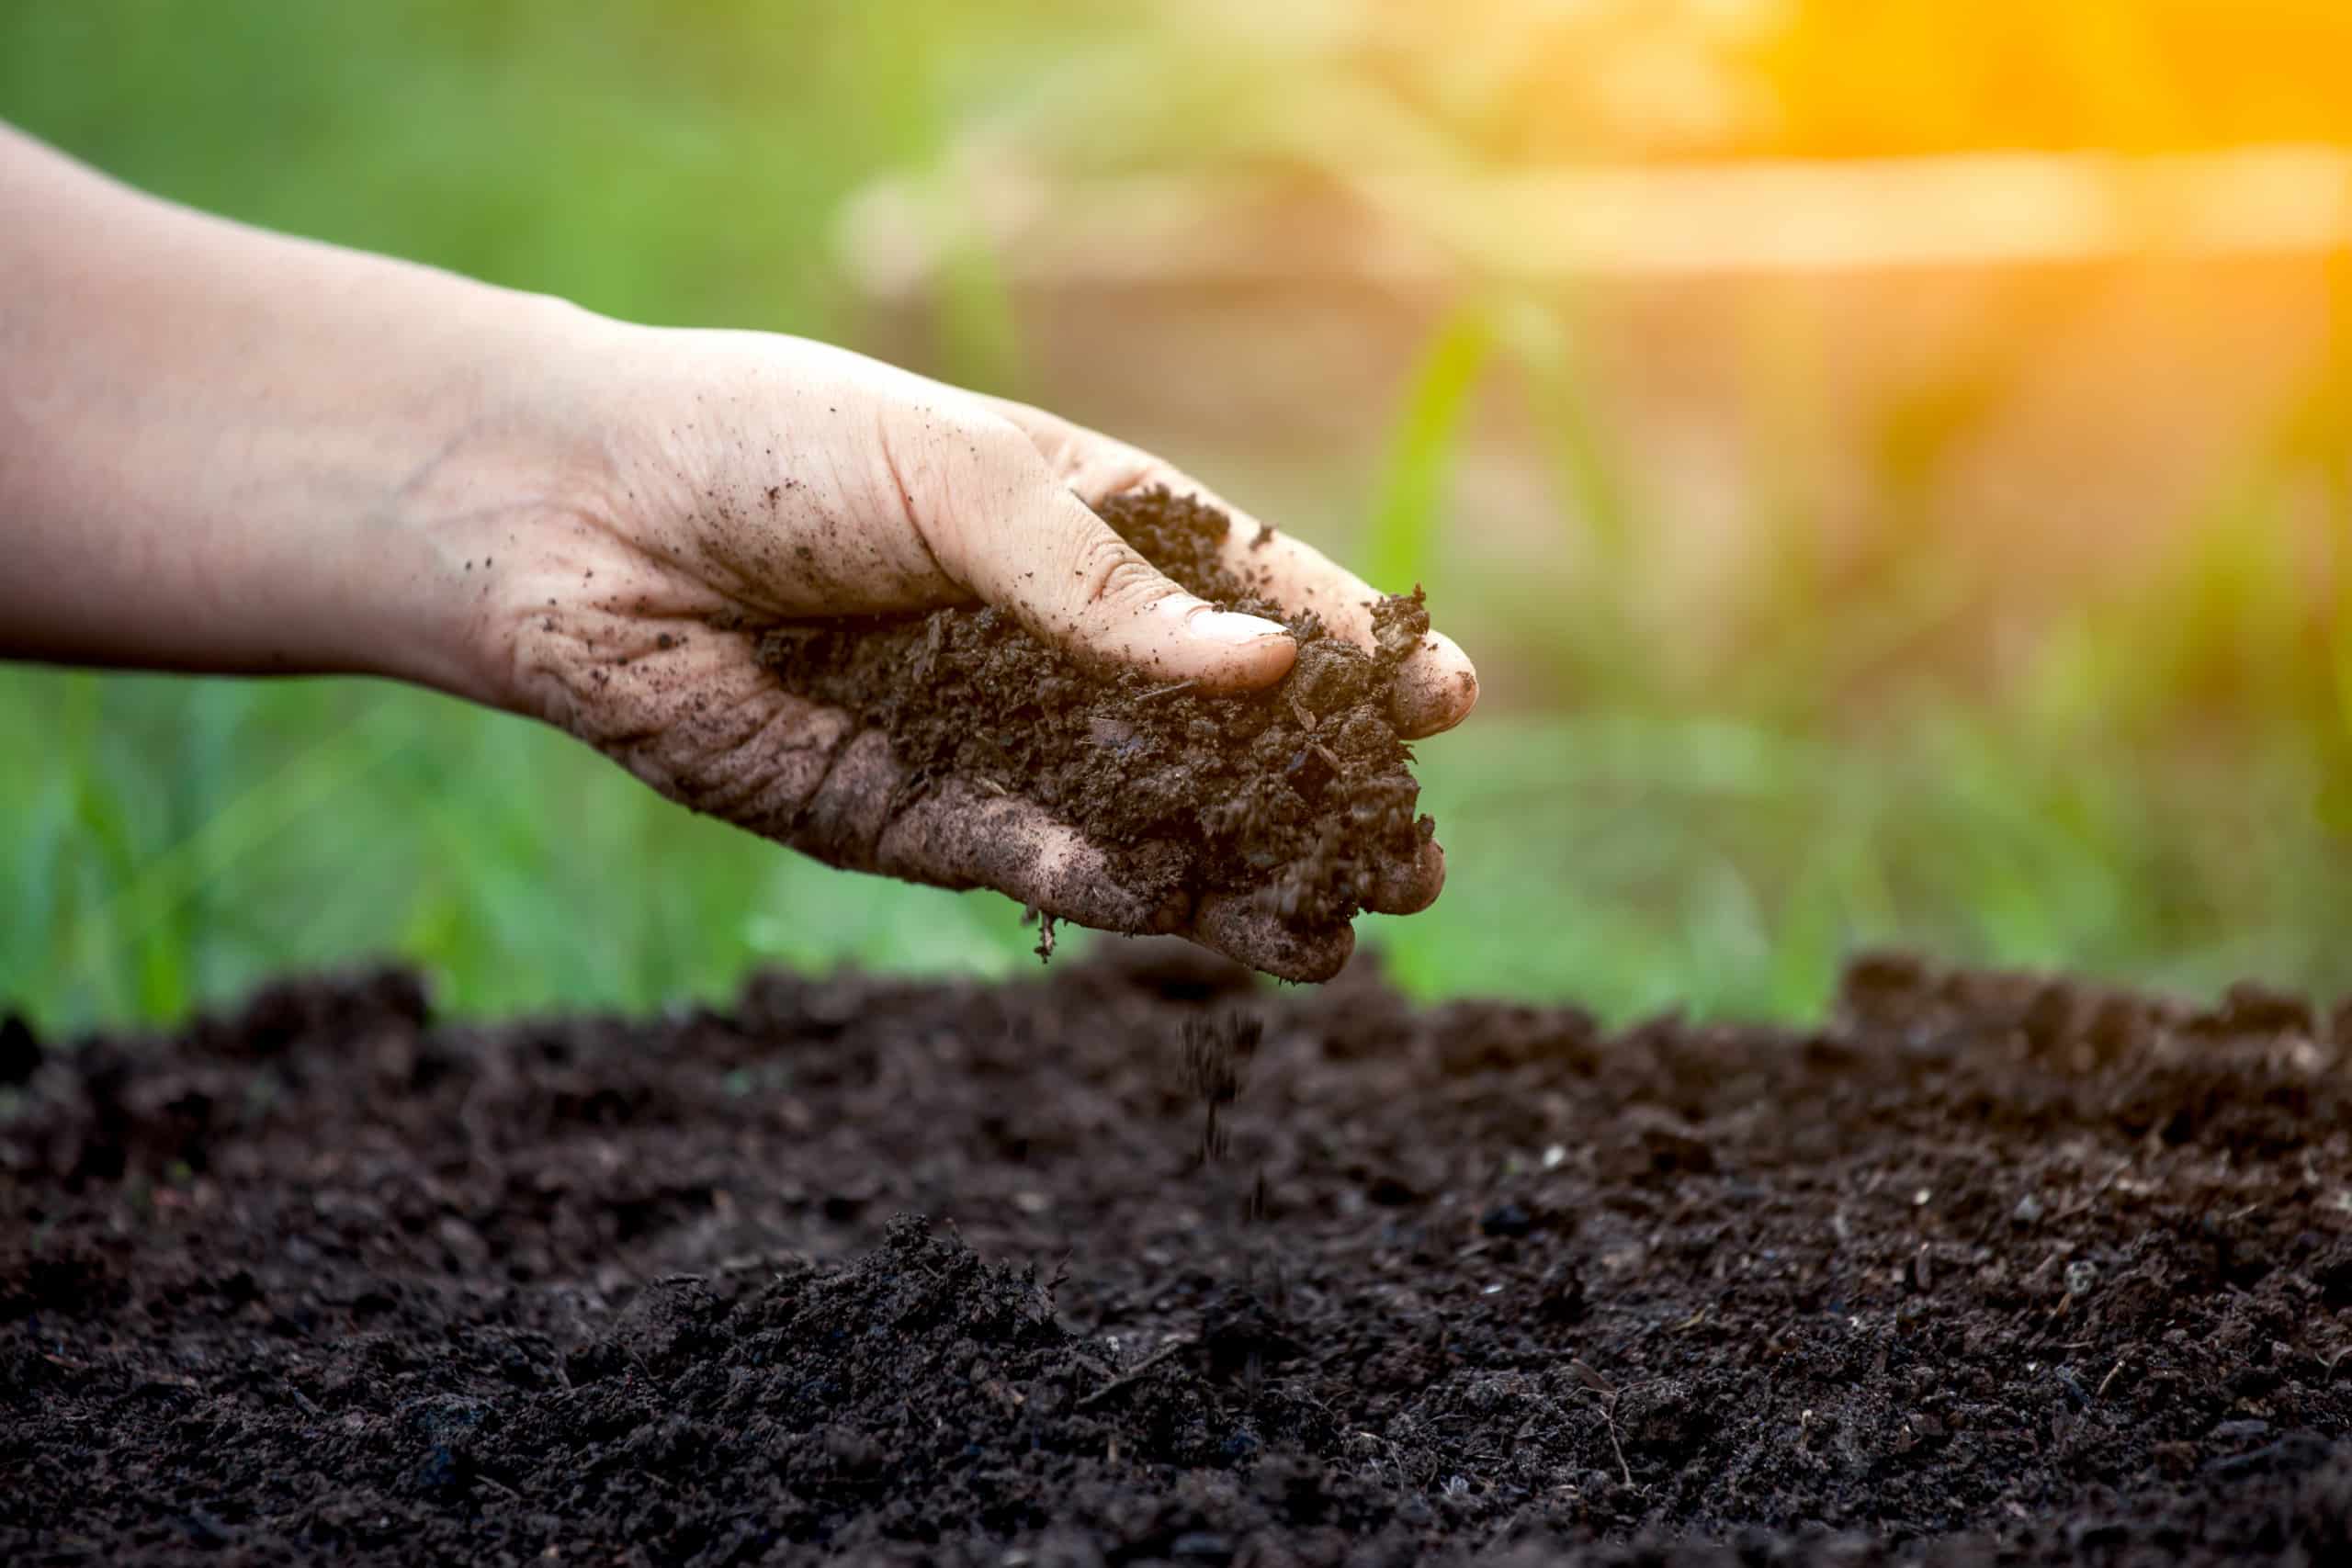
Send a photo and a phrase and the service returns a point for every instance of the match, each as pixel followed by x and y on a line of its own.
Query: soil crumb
pixel 1993 1268
pixel 1217 1064
pixel 1299 794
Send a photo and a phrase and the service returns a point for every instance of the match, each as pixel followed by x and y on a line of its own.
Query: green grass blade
pixel 1400 547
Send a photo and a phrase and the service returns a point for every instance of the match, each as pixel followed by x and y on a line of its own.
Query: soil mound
pixel 1994 1268
pixel 1300 793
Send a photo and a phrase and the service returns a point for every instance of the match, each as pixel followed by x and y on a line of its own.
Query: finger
pixel 1436 684
pixel 958 835
pixel 1409 888
pixel 1041 553
pixel 961 836
pixel 1239 927
pixel 1436 688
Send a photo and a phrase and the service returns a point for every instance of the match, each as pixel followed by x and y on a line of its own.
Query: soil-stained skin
pixel 1993 1268
pixel 631 611
pixel 1299 794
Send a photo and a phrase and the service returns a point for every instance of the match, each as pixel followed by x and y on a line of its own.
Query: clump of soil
pixel 1991 1269
pixel 1299 794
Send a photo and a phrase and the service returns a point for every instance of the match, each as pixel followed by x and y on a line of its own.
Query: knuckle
pixel 1115 468
pixel 983 453
pixel 742 759
pixel 848 800
pixel 972 465
pixel 995 441
pixel 1113 576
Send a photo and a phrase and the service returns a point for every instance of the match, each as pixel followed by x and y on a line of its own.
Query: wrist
pixel 522 466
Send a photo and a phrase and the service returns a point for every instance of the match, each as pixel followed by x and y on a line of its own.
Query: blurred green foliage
pixel 2149 794
pixel 649 161
pixel 171 841
pixel 2154 790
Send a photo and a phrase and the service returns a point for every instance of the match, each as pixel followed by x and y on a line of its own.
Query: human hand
pixel 735 479
pixel 223 450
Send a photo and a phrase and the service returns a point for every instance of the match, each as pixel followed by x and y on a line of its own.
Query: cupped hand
pixel 726 480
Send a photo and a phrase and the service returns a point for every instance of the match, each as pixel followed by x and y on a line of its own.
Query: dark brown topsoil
pixel 1991 1271
pixel 1300 793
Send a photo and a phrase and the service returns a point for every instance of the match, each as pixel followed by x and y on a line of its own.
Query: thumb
pixel 1051 561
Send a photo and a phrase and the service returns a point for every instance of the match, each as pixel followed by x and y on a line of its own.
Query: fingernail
pixel 1231 626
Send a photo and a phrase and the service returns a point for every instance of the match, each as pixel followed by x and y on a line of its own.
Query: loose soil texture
pixel 1991 1269
pixel 1300 794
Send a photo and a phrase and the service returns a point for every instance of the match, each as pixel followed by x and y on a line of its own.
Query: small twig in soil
pixel 1604 1393
pixel 1137 1372
pixel 1585 1373
pixel 1608 1419
pixel 496 1486
pixel 1166 690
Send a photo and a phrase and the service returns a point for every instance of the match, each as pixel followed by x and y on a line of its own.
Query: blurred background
pixel 1892 461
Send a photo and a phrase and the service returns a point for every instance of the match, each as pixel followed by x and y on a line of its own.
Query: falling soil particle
pixel 1300 794
pixel 1217 1050
pixel 322 1279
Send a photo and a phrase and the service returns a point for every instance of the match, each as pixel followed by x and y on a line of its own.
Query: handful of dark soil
pixel 1299 794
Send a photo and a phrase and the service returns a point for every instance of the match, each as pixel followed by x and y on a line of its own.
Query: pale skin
pixel 228 451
